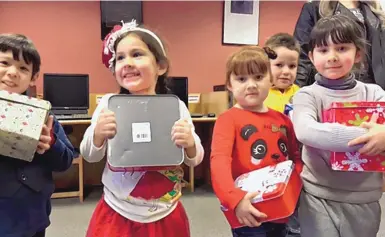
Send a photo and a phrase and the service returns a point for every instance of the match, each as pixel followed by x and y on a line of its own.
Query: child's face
pixel 335 61
pixel 284 67
pixel 136 68
pixel 250 90
pixel 15 76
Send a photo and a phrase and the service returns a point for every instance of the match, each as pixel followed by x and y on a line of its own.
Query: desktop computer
pixel 68 95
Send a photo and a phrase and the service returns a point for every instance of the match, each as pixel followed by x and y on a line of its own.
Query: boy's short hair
pixel 18 43
pixel 283 40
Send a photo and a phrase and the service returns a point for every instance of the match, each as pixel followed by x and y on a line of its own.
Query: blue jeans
pixel 293 227
pixel 267 229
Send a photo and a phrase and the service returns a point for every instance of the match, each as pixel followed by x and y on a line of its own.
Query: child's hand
pixel 181 134
pixel 247 214
pixel 45 137
pixel 374 139
pixel 105 127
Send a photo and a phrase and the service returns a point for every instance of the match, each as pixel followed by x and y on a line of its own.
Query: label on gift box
pixel 141 132
pixel 21 122
pixel 354 114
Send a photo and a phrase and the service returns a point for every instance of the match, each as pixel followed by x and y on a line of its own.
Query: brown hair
pixel 283 40
pixel 249 60
pixel 156 49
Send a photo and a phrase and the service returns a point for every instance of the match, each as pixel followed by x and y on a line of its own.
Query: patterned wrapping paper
pixel 21 122
pixel 277 187
pixel 269 182
pixel 353 114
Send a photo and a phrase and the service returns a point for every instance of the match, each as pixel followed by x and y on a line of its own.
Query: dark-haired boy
pixel 26 187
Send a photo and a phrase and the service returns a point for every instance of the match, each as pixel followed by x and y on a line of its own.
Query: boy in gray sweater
pixel 335 203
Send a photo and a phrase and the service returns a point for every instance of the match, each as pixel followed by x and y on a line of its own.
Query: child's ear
pixel 310 54
pixel 358 56
pixel 33 79
pixel 228 85
pixel 162 68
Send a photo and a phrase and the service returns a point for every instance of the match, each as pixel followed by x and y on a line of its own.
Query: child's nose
pixel 129 62
pixel 12 72
pixel 285 70
pixel 333 58
pixel 251 84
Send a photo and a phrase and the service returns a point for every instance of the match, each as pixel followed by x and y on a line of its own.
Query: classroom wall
pixel 67 34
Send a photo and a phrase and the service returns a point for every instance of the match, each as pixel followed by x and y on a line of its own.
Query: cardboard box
pixel 353 114
pixel 21 122
pixel 278 187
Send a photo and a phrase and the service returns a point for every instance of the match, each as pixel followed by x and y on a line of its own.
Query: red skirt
pixel 106 222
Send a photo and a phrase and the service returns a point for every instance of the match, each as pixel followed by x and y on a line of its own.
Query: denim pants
pixel 267 229
pixel 293 227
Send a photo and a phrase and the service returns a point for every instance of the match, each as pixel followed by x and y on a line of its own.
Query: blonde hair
pixel 326 8
pixel 248 60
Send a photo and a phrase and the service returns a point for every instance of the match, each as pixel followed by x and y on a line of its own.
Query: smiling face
pixel 335 60
pixel 284 67
pixel 15 75
pixel 136 68
pixel 336 45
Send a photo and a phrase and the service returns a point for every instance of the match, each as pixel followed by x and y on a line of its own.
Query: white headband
pixel 126 27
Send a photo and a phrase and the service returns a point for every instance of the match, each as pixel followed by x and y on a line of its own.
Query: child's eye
pixel 341 49
pixel 24 69
pixel 5 63
pixel 292 66
pixel 137 54
pixel 119 58
pixel 258 77
pixel 242 79
pixel 322 50
pixel 278 64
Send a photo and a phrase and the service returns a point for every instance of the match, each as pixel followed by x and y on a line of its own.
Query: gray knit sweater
pixel 320 138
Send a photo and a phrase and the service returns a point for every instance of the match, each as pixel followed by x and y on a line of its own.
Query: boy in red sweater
pixel 248 137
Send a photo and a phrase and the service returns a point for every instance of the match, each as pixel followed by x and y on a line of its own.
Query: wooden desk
pixel 75 122
pixel 75 136
pixel 93 171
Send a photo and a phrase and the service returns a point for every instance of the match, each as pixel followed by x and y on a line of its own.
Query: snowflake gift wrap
pixel 353 114
pixel 21 122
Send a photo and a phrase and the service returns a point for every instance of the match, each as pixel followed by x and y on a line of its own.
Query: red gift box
pixel 278 188
pixel 353 114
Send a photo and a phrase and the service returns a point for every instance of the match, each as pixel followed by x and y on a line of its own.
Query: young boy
pixel 283 69
pixel 26 187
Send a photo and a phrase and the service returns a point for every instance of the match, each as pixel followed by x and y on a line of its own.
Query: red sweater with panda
pixel 244 141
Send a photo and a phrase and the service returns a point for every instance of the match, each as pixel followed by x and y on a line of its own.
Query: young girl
pixel 368 14
pixel 335 203
pixel 247 137
pixel 138 203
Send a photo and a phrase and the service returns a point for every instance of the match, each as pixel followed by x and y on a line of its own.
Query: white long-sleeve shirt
pixel 141 196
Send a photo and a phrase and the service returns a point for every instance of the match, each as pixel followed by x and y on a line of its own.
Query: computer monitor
pixel 179 87
pixel 68 93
